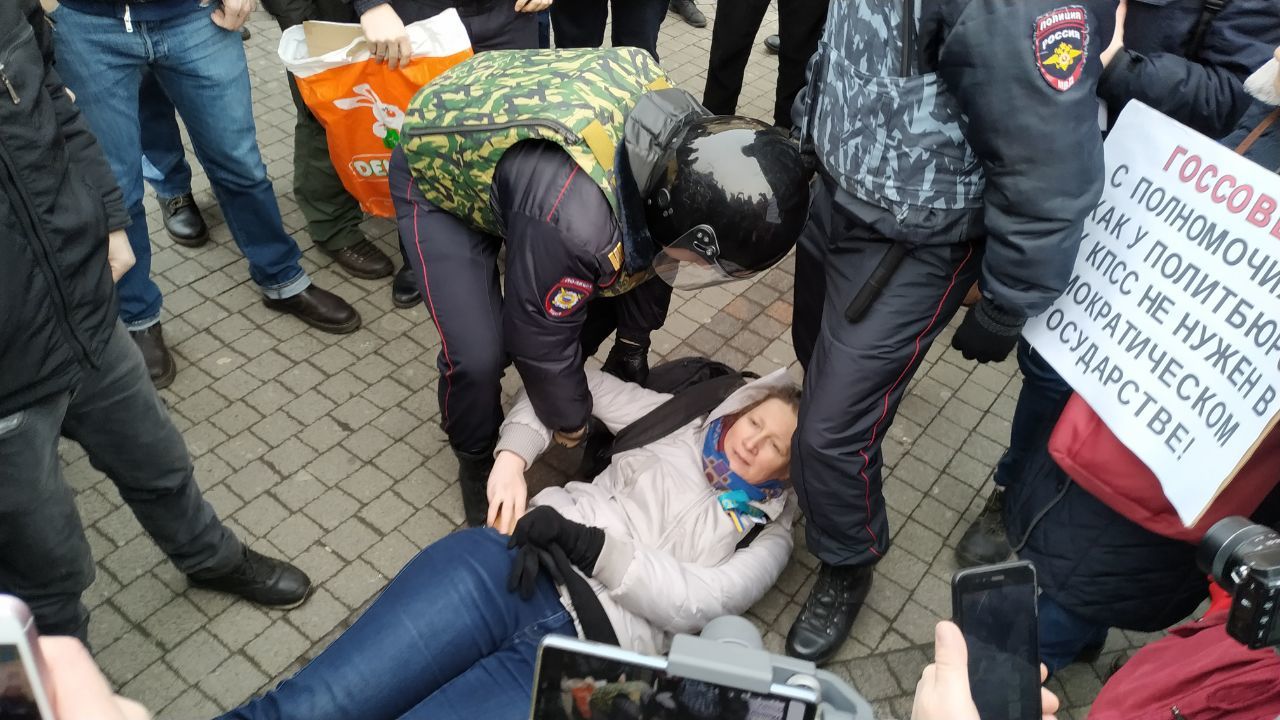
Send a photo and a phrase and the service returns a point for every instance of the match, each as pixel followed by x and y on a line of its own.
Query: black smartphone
pixel 995 607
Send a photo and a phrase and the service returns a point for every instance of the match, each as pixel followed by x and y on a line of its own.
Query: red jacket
pixel 1083 447
pixel 1199 670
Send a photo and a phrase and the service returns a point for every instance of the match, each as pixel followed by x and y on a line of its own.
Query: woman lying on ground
pixel 653 544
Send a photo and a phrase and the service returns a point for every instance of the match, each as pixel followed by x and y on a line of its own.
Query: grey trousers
pixel 116 415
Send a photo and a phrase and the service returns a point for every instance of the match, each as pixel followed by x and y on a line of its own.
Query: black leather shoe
pixel 364 260
pixel 827 616
pixel 183 221
pixel 245 34
pixel 404 290
pixel 772 44
pixel 159 361
pixel 262 580
pixel 628 361
pixel 688 10
pixel 320 309
pixel 985 542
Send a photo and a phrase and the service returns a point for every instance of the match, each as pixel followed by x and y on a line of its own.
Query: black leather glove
pixel 988 334
pixel 628 360
pixel 808 154
pixel 546 529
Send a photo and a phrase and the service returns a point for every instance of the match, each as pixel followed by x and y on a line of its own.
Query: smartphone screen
pixel 576 686
pixel 17 700
pixel 995 607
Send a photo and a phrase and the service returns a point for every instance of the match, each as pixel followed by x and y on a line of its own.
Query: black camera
pixel 1244 559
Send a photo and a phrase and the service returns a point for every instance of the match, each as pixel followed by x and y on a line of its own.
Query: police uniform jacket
pixel 946 121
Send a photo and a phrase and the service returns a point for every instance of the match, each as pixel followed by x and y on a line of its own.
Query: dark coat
pixel 58 200
pixel 1200 87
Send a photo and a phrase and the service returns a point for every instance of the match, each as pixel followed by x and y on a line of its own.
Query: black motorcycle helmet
pixel 730 201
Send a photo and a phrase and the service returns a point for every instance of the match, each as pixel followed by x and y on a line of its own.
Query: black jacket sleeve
pixel 1208 98
pixel 549 283
pixel 1206 91
pixel 85 156
pixel 1040 147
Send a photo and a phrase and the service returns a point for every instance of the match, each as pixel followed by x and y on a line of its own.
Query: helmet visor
pixel 693 261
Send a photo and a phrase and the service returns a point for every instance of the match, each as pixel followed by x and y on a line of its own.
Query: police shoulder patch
pixel 565 296
pixel 1062 45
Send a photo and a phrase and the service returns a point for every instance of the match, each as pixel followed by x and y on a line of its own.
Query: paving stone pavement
pixel 327 450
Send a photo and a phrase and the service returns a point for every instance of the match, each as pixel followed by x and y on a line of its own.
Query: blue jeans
pixel 444 640
pixel 1063 634
pixel 202 69
pixel 164 160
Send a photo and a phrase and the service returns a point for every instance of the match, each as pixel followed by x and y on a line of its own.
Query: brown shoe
pixel 159 361
pixel 364 260
pixel 320 309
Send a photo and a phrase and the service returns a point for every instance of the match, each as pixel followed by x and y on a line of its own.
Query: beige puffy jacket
pixel 669 563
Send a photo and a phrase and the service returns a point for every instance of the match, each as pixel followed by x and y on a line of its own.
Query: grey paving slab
pixel 327 449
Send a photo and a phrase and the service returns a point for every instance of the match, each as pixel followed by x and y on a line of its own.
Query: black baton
pixel 876 283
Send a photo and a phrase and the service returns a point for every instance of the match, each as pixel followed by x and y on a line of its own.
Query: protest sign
pixel 1170 325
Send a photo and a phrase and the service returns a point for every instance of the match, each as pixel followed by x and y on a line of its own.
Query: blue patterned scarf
pixel 736 494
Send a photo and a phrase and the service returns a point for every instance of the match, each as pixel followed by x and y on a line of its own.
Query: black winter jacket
pixel 58 200
pixel 1202 88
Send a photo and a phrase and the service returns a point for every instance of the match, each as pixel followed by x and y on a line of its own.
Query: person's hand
pixel 531 6
pixel 1117 38
pixel 233 13
pixel 119 254
pixel 531 561
pixel 388 40
pixel 987 333
pixel 508 492
pixel 78 689
pixel 546 528
pixel 943 691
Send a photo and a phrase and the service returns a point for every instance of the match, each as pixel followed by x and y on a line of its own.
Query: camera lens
pixel 1216 553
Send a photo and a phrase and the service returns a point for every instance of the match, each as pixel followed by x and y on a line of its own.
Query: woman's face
pixel 759 443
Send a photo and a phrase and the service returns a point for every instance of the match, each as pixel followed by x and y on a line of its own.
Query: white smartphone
pixel 23 693
pixel 577 679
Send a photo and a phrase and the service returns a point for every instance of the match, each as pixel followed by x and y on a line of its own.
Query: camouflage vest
pixel 458 126
pixel 891 138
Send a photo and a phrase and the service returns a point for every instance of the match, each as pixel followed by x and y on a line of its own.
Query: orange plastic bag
pixel 361 102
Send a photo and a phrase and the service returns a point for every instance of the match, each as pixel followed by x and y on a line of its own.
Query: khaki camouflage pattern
pixel 459 125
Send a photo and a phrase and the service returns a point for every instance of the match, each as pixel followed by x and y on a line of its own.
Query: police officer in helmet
pixel 606 188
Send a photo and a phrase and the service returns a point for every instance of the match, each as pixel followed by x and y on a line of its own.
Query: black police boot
pixel 628 360
pixel 773 43
pixel 688 10
pixel 473 481
pixel 827 616
pixel 183 221
pixel 262 580
pixel 985 542
pixel 404 290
